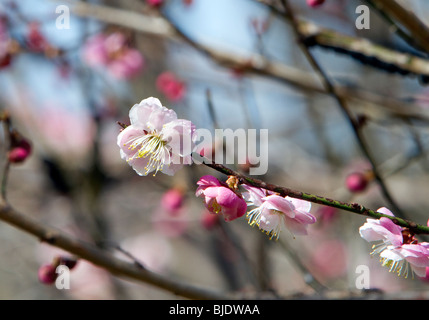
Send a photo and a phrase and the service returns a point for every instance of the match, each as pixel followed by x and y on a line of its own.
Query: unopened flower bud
pixel 358 181
pixel 172 200
pixel 47 274
pixel 20 150
pixel 155 3
pixel 315 3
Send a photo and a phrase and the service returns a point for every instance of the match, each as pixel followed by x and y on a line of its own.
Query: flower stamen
pixel 151 145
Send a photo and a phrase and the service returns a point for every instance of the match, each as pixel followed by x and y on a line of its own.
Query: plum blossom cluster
pixel 272 212
pixel 156 141
pixel 398 248
pixel 112 51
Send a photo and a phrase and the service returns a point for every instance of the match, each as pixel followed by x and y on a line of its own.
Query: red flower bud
pixel 47 274
pixel 315 3
pixel 357 181
pixel 172 200
pixel 20 150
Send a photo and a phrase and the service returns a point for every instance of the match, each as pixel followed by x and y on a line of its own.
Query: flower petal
pixel 279 203
pixel 253 196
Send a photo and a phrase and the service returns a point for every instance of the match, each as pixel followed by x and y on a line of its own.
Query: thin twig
pixel 404 20
pixel 289 15
pixel 4 118
pixel 350 207
pixel 248 63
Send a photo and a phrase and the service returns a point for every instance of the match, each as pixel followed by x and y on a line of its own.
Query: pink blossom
pixel 272 212
pixel 398 248
pixel 172 200
pixel 156 140
pixel 220 199
pixel 113 52
pixel 171 86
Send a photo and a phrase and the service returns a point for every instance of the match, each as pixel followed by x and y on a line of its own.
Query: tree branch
pixel 103 258
pixel 350 207
pixel 418 32
pixel 254 63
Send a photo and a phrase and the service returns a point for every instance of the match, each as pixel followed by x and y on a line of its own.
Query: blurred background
pixel 65 94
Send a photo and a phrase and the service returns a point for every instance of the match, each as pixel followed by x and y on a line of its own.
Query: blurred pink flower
pixel 171 219
pixel 209 219
pixel 156 140
pixel 272 212
pixel 113 52
pixel 330 259
pixel 171 224
pixel 155 3
pixel 36 41
pixel 170 86
pixel 220 199
pixel 172 200
pixel 399 249
pixel 68 134
pixel 327 214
